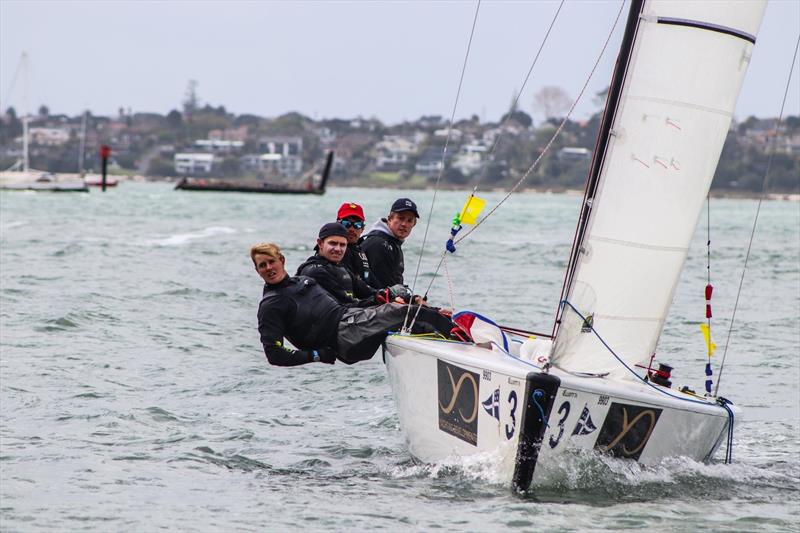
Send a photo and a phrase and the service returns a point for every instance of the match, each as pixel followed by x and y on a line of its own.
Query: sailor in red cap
pixel 351 216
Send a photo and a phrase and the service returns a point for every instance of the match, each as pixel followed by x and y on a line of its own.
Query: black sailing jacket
pixel 385 258
pixel 301 311
pixel 339 281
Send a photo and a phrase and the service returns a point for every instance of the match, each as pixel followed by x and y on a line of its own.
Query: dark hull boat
pixel 304 186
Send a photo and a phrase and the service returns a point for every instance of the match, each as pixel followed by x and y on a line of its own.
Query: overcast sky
pixel 391 60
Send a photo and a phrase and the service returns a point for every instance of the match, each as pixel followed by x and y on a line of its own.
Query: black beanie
pixel 332 228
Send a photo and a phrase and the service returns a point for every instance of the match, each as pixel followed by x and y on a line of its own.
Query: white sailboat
pixel 22 177
pixel 670 104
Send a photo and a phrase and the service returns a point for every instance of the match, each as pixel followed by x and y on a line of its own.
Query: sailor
pixel 351 216
pixel 383 243
pixel 323 330
pixel 325 267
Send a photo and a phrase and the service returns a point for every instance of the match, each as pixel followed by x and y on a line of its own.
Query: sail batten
pixel 632 244
pixel 675 89
pixel 708 26
pixel 687 105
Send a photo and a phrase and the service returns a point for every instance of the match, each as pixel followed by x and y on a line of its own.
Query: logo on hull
pixel 492 404
pixel 585 424
pixel 458 401
pixel 626 430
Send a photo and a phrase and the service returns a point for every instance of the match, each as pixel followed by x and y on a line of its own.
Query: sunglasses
pixel 359 224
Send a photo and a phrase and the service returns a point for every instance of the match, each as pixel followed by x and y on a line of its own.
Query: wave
pixel 183 238
pixel 11 225
pixel 590 477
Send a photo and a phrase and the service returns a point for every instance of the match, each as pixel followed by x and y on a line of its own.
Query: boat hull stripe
pixel 707 26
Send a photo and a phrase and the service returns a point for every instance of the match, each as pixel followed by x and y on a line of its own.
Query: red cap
pixel 349 209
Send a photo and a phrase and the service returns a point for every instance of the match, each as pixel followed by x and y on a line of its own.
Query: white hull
pixel 36 180
pixel 459 400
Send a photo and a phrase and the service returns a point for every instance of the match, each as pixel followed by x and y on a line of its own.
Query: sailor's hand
pixel 400 292
pixel 383 296
pixel 323 355
pixel 419 300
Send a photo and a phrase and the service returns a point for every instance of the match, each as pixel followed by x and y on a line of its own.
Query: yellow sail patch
pixel 471 210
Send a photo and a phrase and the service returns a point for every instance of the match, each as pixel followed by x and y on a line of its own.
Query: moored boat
pixel 311 183
pixel 34 180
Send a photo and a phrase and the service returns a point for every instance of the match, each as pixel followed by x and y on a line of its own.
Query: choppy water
pixel 135 396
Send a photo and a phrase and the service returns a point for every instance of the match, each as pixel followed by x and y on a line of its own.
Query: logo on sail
pixel 492 404
pixel 626 430
pixel 585 424
pixel 458 401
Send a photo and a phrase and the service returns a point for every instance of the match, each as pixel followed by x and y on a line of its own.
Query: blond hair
pixel 265 248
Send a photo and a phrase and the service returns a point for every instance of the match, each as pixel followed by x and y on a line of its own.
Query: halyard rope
pixel 441 169
pixel 516 100
pixel 764 184
pixel 555 135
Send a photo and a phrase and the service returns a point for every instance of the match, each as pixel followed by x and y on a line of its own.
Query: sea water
pixel 135 396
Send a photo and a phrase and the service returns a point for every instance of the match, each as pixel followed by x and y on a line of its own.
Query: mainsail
pixel 670 106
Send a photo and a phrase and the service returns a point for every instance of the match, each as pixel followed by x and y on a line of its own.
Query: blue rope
pixel 729 450
pixel 537 395
pixel 449 245
pixel 721 401
pixel 591 326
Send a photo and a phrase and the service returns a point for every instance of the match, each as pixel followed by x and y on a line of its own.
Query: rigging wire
pixel 14 79
pixel 764 185
pixel 555 134
pixel 495 144
pixel 516 100
pixel 541 155
pixel 444 156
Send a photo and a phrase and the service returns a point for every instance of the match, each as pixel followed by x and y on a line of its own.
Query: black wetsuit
pixel 355 260
pixel 301 311
pixel 385 255
pixel 339 281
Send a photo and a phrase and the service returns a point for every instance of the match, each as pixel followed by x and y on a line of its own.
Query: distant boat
pixel 304 185
pixel 96 180
pixel 36 180
pixel 20 177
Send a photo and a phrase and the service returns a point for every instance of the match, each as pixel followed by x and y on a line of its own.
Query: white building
pixel 430 162
pixel 469 158
pixel 290 152
pixel 393 151
pixel 48 136
pixel 455 135
pixel 572 153
pixel 193 164
pixel 272 164
pixel 219 145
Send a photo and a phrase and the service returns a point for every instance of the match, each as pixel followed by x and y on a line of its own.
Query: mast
pixel 82 148
pixel 26 116
pixel 598 158
pixel 25 156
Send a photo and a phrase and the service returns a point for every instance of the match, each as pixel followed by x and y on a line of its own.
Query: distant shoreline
pixel 715 193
